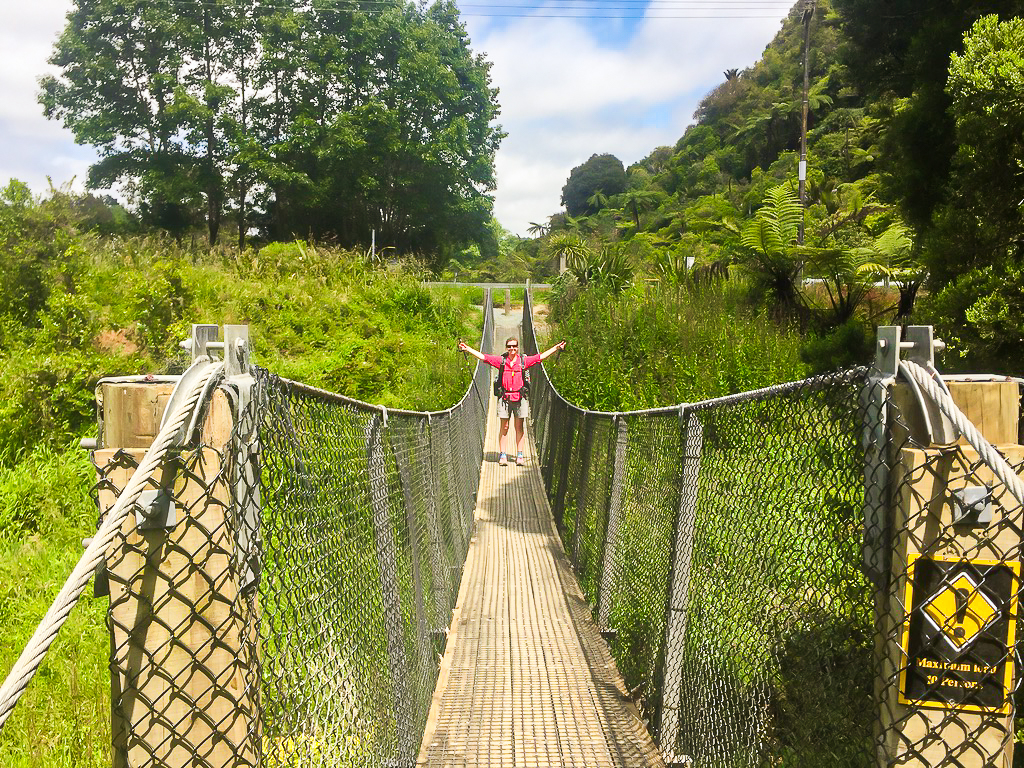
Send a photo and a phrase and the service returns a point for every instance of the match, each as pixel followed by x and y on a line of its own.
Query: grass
pixel 642 350
pixel 63 717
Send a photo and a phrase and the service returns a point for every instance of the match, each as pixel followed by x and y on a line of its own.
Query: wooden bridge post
pixel 183 643
pixel 679 594
pixel 611 537
pixel 947 672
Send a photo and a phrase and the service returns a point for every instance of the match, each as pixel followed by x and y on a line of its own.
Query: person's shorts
pixel 520 409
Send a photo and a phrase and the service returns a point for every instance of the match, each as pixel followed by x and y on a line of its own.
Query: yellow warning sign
pixel 959 633
pixel 960 611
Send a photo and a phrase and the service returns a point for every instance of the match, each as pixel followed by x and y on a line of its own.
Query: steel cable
pixel 35 650
pixel 986 451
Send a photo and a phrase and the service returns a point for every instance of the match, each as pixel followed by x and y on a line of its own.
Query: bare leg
pixel 520 431
pixel 502 434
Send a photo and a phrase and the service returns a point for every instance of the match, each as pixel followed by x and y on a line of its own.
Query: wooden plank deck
pixel 526 680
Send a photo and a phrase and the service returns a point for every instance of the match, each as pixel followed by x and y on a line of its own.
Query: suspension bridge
pixel 821 572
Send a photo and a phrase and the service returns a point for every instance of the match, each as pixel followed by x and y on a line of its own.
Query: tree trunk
pixel 242 191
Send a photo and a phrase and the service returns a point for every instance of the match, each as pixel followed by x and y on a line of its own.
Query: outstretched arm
pixel 464 347
pixel 549 352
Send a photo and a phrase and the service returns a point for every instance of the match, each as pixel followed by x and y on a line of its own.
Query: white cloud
pixel 566 94
pixel 33 147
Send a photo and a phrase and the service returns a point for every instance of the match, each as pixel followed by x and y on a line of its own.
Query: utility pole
pixel 808 15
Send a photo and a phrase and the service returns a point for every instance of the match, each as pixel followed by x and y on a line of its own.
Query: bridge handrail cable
pixel 35 650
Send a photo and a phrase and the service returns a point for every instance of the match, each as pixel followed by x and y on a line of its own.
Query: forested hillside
pixel 914 151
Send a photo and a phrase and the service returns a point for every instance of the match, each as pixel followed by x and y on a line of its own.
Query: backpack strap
pixel 501 375
pixel 500 384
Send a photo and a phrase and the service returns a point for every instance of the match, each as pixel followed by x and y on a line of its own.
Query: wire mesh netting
pixel 293 609
pixel 783 576
pixel 796 576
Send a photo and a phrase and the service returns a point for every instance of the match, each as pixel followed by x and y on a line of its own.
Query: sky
pixel 575 78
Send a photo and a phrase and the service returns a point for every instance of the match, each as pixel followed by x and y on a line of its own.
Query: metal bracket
pixel 245 482
pixel 198 344
pixel 155 510
pixel 887 356
pixel 916 344
pixel 236 350
pixel 201 345
pixel 972 506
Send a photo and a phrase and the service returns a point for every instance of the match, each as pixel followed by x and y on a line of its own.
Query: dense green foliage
pixel 914 152
pixel 593 182
pixel 641 350
pixel 981 220
pixel 75 306
pixel 296 119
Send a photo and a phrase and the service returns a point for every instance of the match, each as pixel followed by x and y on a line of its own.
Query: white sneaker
pixel 502 460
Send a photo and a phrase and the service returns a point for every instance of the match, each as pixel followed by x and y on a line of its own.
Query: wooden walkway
pixel 526 680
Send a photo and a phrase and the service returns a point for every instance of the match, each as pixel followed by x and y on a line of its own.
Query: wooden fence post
pixel 948 617
pixel 183 645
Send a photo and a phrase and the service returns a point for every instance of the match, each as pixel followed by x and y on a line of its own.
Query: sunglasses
pixel 512 346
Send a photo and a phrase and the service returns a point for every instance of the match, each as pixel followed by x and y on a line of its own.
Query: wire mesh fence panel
pixel 797 576
pixel 293 608
pixel 639 563
pixel 777 658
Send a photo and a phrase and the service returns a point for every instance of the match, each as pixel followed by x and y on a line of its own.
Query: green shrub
pixel 980 316
pixel 665 347
pixel 846 346
pixel 70 321
pixel 46 397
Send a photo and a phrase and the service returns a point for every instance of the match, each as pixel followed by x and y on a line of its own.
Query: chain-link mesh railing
pixel 747 558
pixel 796 576
pixel 296 612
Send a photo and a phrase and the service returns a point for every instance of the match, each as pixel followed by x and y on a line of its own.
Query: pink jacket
pixel 512 379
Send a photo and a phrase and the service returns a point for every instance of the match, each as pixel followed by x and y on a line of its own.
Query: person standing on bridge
pixel 511 401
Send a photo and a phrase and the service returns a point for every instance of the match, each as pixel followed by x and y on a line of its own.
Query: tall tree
pixel 329 121
pixel 982 221
pixel 899 50
pixel 601 173
pixel 122 91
